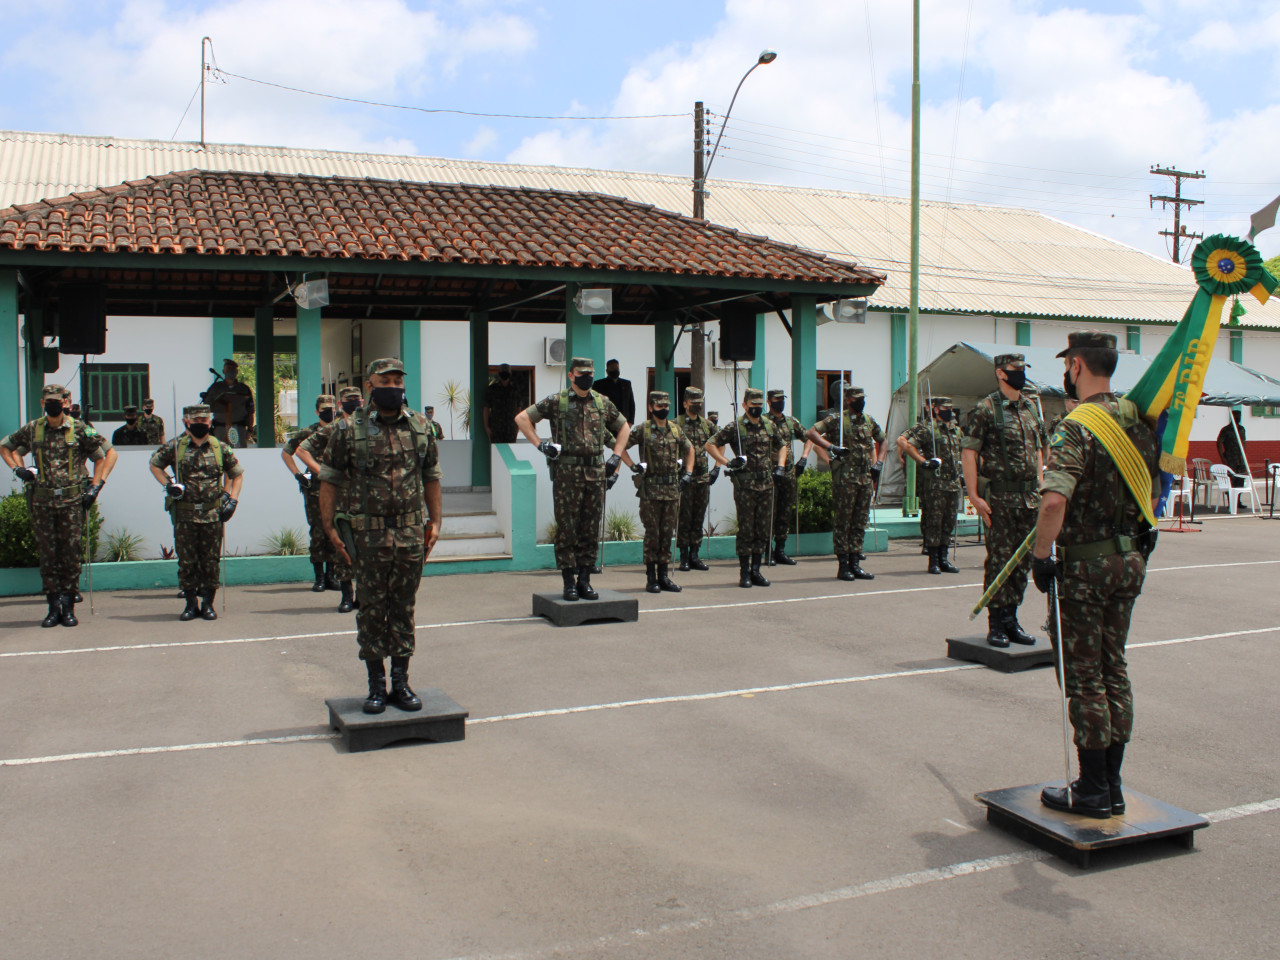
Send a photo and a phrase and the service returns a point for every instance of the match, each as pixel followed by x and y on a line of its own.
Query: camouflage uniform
pixel 851 486
pixel 315 445
pixel 131 434
pixel 437 431
pixel 504 404
pixel 152 424
pixel 694 500
pixel 321 550
pixel 939 489
pixel 664 447
pixel 753 484
pixel 787 491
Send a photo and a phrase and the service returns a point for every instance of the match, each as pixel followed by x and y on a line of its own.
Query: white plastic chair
pixel 1222 484
pixel 1182 492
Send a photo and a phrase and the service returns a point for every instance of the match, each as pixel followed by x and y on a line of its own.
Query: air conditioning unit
pixel 554 348
pixel 719 364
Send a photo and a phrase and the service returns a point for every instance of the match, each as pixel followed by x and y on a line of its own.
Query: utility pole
pixel 1179 232
pixel 698 343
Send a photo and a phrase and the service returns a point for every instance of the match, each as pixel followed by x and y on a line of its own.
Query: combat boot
pixel 855 567
pixel 933 561
pixel 684 558
pixel 206 605
pixel 945 565
pixel 744 571
pixel 1090 796
pixel 68 611
pixel 651 578
pixel 696 562
pixel 779 555
pixel 193 606
pixel 570 585
pixel 584 584
pixel 55 610
pixel 665 582
pixel 318 586
pixel 348 598
pixel 1013 630
pixel 844 573
pixel 377 700
pixel 757 578
pixel 1115 757
pixel 330 581
pixel 79 599
pixel 995 627
pixel 402 695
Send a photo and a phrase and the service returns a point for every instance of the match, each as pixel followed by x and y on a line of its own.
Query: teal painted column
pixel 309 372
pixel 598 344
pixel 804 358
pixel 223 341
pixel 481 464
pixel 10 355
pixel 264 366
pixel 897 350
pixel 579 338
pixel 758 373
pixel 664 368
pixel 411 357
pixel 1022 333
pixel 33 330
pixel 1133 338
pixel 1237 353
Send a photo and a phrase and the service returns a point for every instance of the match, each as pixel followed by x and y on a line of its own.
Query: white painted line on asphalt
pixel 178 748
pixel 1203 636
pixel 828 596
pixel 1244 810
pixel 1213 566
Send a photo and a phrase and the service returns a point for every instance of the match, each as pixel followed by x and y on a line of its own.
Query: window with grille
pixel 107 388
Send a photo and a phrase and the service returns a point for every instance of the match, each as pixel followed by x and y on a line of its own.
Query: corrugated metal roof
pixel 976 259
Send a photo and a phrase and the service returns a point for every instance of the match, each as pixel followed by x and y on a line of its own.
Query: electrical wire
pixel 194 93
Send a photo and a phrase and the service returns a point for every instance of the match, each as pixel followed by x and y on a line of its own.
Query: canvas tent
pixel 964 372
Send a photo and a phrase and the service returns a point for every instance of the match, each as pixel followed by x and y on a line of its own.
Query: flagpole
pixel 910 505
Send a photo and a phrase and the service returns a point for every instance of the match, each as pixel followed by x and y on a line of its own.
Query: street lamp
pixel 701 173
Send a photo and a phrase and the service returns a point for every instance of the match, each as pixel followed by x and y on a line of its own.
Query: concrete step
pixel 469 545
pixel 437 557
pixel 471 523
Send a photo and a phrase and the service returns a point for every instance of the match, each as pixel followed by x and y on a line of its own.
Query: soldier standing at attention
pixel 935 445
pixel 853 464
pixel 501 404
pixel 200 502
pixel 58 495
pixel 580 419
pixel 754 471
pixel 714 417
pixel 311 452
pixel 1102 519
pixel 132 434
pixel 322 552
pixel 436 430
pixel 790 429
pixel 1002 455
pixel 388 463
pixel 663 476
pixel 693 501
pixel 151 423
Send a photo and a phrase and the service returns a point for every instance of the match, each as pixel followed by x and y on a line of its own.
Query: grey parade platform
pixel 1008 659
pixel 612 605
pixel 440 720
pixel 1076 838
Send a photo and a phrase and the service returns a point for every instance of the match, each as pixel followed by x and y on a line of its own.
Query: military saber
pixel 88 560
pixel 1062 674
pixel 1004 574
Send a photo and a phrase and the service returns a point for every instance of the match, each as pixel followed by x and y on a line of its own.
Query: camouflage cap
pixel 777 395
pixel 325 400
pixel 385 365
pixel 942 402
pixel 854 393
pixel 660 398
pixel 583 363
pixel 146 400
pixel 66 394
pixel 693 394
pixel 1082 339
pixel 346 392
pixel 753 395
pixel 428 409
pixel 1011 360
pixel 53 390
pixel 713 415
pixel 197 410
pixel 130 408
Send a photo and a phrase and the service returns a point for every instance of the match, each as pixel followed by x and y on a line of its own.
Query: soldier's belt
pixel 752 474
pixel 394 522
pixel 1012 486
pixel 1099 548
pixel 182 506
pixel 39 492
pixel 662 479
pixel 569 461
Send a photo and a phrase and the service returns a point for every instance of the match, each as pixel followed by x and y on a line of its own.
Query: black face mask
pixel 148 410
pixel 857 406
pixel 944 416
pixel 130 420
pixel 387 398
pixel 1069 387
pixel 614 374
pixel 660 413
pixel 777 406
pixel 504 377
pixel 199 430
pixel 326 415
pixel 1016 378
pixel 695 409
pixel 754 411
pixel 351 405
pixel 53 408
pixel 583 381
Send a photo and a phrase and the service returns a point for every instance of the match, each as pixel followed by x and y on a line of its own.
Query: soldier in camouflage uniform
pixel 788 490
pixel 755 470
pixel 580 419
pixel 201 497
pixel 694 500
pixel 935 445
pixel 151 423
pixel 662 478
pixel 388 461
pixel 58 495
pixel 501 405
pixel 854 464
pixel 1001 453
pixel 714 417
pixel 132 433
pixel 436 430
pixel 311 452
pixel 321 550
pixel 1103 544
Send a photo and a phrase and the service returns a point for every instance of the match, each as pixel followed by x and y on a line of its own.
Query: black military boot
pixel 318 586
pixel 1115 758
pixel 79 599
pixel 757 578
pixel 696 562
pixel 779 554
pixel 844 573
pixel 664 580
pixel 1090 796
pixel 68 611
pixel 348 598
pixel 855 567
pixel 684 558
pixel 55 610
pixel 584 584
pixel 193 606
pixel 744 571
pixel 206 605
pixel 651 578
pixel 1013 631
pixel 377 700
pixel 995 627
pixel 330 581
pixel 945 565
pixel 402 695
pixel 933 560
pixel 570 584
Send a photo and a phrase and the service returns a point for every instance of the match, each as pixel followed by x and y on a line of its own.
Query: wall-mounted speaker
pixel 82 319
pixel 738 331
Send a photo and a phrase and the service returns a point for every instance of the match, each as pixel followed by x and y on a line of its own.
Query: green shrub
pixel 287 542
pixel 621 525
pixel 122 546
pixel 549 534
pixel 18 544
pixel 815 502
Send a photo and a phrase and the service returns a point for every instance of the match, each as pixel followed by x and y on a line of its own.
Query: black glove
pixel 611 465
pixel 228 507
pixel 1044 570
pixel 25 474
pixel 609 481
pixel 91 495
pixel 837 453
pixel 801 464
pixel 780 473
pixel 304 482
pixel 548 449
pixel 875 470
pixel 639 468
pixel 736 464
pixel 175 490
pixel 686 478
pixel 713 475
pixel 931 465
pixel 1147 543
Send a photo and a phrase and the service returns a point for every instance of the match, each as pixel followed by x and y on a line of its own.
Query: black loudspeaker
pixel 82 319
pixel 738 331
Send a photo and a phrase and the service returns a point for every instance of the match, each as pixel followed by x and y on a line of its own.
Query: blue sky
pixel 1064 107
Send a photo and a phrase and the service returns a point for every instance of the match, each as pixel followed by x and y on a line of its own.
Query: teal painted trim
pixel 264 365
pixel 577 330
pixel 1022 333
pixel 1237 352
pixel 597 352
pixel 1133 338
pixel 11 412
pixel 524 509
pixel 411 357
pixel 309 372
pixel 224 340
pixel 898 349
pixel 33 338
pixel 243 343
pixel 804 357
pixel 480 445
pixel 757 375
pixel 664 361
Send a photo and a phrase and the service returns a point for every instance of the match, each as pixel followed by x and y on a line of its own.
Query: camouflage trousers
pixel 321 549
pixel 938 515
pixel 388 566
pixel 693 513
pixel 1011 521
pixel 199 548
pixel 852 507
pixel 59 534
pixel 784 507
pixel 753 519
pixel 659 519
pixel 578 493
pixel 1096 601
